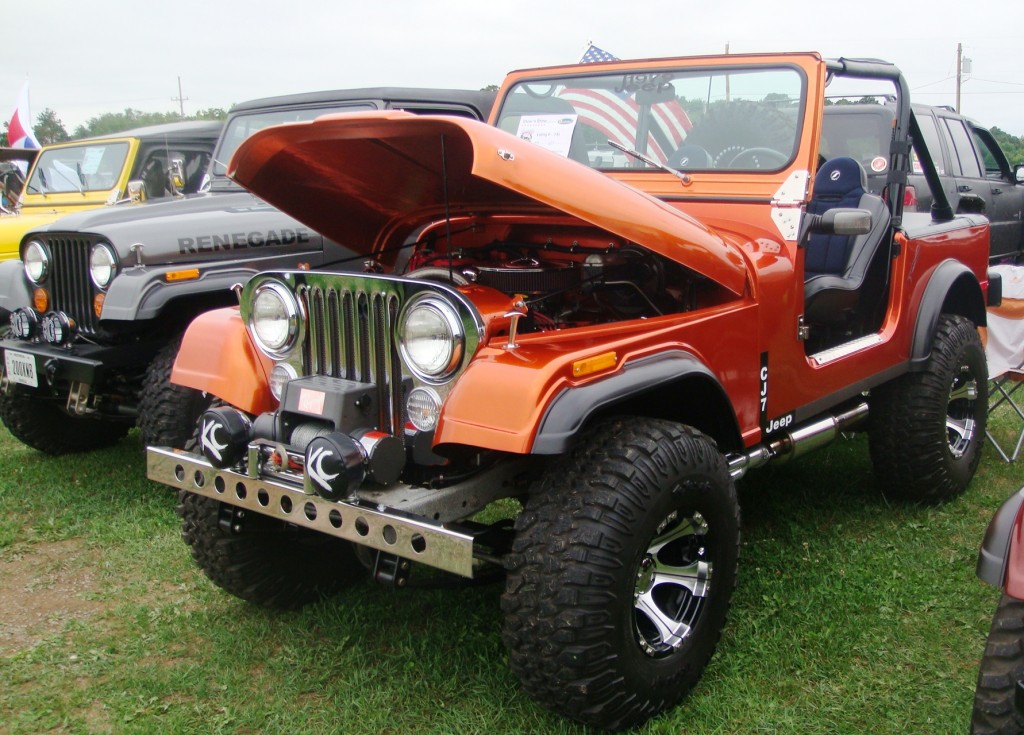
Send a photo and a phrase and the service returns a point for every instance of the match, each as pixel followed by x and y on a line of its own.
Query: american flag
pixel 615 115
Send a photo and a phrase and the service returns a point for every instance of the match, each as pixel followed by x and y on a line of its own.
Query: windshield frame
pixel 100 167
pixel 639 75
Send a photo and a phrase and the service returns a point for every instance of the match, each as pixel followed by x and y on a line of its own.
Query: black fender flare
pixel 139 294
pixel 570 410
pixel 952 288
pixel 992 558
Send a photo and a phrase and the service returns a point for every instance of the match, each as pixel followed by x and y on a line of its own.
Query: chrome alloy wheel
pixel 673 581
pixel 960 412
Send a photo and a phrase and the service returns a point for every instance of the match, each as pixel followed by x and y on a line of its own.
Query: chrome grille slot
pixel 349 335
pixel 71 290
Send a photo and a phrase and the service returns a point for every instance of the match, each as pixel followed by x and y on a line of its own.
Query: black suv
pixel 971 167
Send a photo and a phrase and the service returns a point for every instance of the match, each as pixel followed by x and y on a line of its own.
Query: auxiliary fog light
pixel 24 323
pixel 224 435
pixel 58 328
pixel 282 374
pixel 423 407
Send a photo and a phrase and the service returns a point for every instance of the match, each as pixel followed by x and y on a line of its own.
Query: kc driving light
pixel 431 338
pixel 274 319
pixel 102 265
pixel 36 261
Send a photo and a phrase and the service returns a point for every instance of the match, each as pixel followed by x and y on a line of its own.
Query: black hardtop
pixel 479 100
pixel 191 129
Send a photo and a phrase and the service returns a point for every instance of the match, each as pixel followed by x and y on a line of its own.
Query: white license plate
pixel 21 368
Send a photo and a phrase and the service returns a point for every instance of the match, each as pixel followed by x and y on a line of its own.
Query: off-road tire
pixel 168 413
pixel 583 542
pixel 42 425
pixel 263 560
pixel 1002 666
pixel 916 456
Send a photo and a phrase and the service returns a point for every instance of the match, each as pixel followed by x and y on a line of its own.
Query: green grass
pixel 853 615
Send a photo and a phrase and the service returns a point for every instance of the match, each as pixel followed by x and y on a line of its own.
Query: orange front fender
pixel 218 357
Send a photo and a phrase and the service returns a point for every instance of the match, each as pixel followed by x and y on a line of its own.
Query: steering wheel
pixel 758 158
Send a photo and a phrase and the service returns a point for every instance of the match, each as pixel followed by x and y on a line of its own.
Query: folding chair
pixel 1004 388
pixel 1004 349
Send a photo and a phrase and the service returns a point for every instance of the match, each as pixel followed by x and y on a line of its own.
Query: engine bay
pixel 568 274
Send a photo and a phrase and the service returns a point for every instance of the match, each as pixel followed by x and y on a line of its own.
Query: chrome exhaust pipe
pixel 797 442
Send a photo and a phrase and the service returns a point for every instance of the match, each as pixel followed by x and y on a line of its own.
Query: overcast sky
pixel 85 58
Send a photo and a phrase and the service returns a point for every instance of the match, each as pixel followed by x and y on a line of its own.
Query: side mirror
pixel 838 221
pixel 136 192
pixel 1018 173
pixel 177 175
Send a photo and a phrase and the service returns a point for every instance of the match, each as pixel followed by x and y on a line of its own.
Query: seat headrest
pixel 839 178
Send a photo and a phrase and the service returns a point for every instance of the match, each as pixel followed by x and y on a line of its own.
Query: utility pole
pixel 963 66
pixel 180 99
pixel 959 68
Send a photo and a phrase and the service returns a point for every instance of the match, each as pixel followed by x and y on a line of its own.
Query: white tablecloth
pixel 1005 346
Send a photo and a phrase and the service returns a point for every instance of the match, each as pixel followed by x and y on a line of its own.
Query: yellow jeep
pixel 156 162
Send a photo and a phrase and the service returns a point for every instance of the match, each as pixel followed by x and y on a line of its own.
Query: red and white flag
pixel 19 130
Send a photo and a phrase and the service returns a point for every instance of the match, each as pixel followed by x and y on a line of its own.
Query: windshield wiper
pixel 684 177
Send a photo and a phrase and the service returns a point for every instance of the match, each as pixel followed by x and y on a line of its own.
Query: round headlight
pixel 102 265
pixel 274 319
pixel 36 260
pixel 431 338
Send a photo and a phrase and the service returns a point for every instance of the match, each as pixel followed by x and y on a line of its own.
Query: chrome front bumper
pixel 419 539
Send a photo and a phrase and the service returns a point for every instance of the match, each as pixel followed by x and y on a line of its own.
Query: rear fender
pixel 217 356
pixel 952 289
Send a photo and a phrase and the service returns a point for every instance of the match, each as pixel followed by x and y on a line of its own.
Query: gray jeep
pixel 99 300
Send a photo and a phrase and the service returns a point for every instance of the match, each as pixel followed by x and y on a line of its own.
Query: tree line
pixel 50 129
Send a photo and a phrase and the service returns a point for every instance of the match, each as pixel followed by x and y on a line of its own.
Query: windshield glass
pixel 241 127
pixel 738 119
pixel 87 167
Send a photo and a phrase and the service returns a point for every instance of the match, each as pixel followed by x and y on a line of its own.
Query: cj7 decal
pixel 769 426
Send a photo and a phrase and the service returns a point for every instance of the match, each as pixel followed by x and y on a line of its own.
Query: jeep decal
pixel 239 240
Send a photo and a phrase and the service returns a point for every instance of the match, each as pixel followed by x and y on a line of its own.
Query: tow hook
pixel 391 569
pixel 230 518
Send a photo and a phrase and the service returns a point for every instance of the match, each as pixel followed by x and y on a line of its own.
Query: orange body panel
pixel 218 357
pixel 722 225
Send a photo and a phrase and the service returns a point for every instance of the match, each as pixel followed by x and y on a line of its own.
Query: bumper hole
pixel 390 534
pixel 240 491
pixel 179 473
pixel 310 510
pixel 335 518
pixel 218 484
pixel 263 497
pixel 419 544
pixel 198 479
pixel 362 527
pixel 286 504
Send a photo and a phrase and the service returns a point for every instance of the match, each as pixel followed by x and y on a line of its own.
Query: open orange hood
pixel 358 178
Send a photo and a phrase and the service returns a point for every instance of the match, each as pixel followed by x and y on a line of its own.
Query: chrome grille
pixel 71 290
pixel 349 334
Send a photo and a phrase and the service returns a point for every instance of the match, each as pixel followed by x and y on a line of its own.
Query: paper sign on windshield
pixel 553 132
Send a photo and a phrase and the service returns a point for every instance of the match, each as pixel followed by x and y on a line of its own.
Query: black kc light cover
pixel 224 435
pixel 334 465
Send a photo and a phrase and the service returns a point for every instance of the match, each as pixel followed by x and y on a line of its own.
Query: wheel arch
pixel 676 386
pixel 1001 558
pixel 952 289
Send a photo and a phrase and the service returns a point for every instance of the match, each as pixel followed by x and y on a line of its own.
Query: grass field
pixel 852 615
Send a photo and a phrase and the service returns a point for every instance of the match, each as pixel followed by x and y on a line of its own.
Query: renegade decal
pixel 240 240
